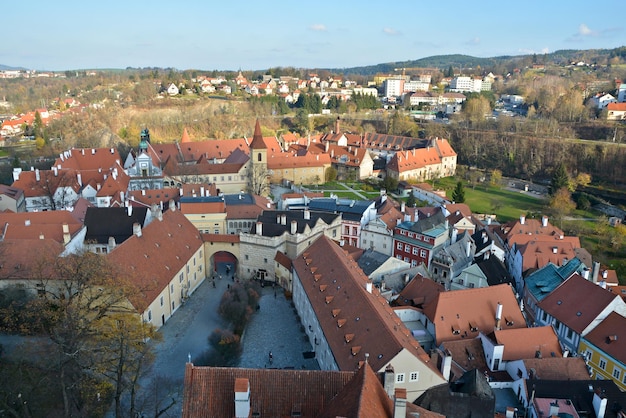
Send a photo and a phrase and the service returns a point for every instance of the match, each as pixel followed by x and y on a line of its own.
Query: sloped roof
pixel 557 368
pixel 495 271
pixel 282 259
pixel 12 192
pixel 467 354
pixel 577 302
pixel 420 291
pixel 527 229
pixel 103 223
pixel 152 259
pixel 352 210
pixel 542 282
pixel 209 391
pixel 363 396
pixel 610 336
pixel 34 225
pixel 523 343
pixel 346 311
pixel 257 138
pixel 413 159
pixel 28 258
pixel 282 160
pixel 469 396
pixel 88 159
pixel 456 313
pixel 272 227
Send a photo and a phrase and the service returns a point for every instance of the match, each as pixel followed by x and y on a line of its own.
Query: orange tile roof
pixel 523 343
pixel 257 138
pixel 558 368
pixel 209 391
pixel 286 160
pixel 48 182
pixel 529 228
pixel 414 159
pixel 463 313
pixel 616 106
pixel 610 336
pixel 336 288
pixel 89 159
pixel 35 225
pixel 220 238
pixel 152 259
pixel 28 258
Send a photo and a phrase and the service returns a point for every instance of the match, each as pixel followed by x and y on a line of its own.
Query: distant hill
pixel 443 62
pixel 9 68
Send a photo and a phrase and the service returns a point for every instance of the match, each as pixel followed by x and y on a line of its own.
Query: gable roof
pixel 346 311
pixel 28 258
pixel 494 270
pixel 577 302
pixel 420 291
pixel 542 282
pixel 610 336
pixel 103 223
pixel 557 368
pixel 522 343
pixel 152 259
pixel 88 159
pixel 272 225
pixel 462 313
pixel 35 225
pixel 12 192
pixel 209 391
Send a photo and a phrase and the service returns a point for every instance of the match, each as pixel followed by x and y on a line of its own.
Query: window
pixel 334 233
pixel 413 263
pixel 570 334
pixel 400 378
pixel 414 377
pixel 172 288
pixel 544 316
pixel 149 315
pixel 414 250
pixel 246 256
pixel 616 373
pixel 265 260
pixel 259 157
pixel 602 364
pixel 423 254
pixel 399 246
pixel 180 278
pixel 173 305
pixel 406 259
pixel 161 300
pixel 407 248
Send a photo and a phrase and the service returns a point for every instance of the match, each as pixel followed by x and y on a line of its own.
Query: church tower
pixel 258 174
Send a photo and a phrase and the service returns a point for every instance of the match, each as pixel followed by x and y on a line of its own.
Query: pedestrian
pixel 213 283
pixel 274 294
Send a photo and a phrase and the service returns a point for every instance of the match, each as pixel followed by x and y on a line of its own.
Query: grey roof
pixel 495 271
pixel 350 209
pixel 581 392
pixel 469 396
pixel 103 223
pixel 228 199
pixel 370 260
pixel 273 228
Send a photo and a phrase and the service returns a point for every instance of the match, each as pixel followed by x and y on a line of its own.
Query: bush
pixel 224 351
pixel 239 303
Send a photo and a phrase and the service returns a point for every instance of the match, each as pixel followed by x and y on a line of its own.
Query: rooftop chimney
pixel 599 404
pixel 368 287
pixel 390 379
pixel 446 366
pixel 112 243
pixel 66 234
pixel 137 229
pixel 595 272
pixel 79 179
pixel 172 205
pixel 522 219
pixel 399 403
pixel 242 398
pixel 259 228
pixel 307 215
pixel 554 408
pixel 498 315
pixel 294 227
pixel 402 207
pixel 455 235
pixel 468 249
pixel 605 274
pixel 37 176
pixel 544 221
pixel 16 173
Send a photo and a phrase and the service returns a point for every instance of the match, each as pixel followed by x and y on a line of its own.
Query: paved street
pixel 274 328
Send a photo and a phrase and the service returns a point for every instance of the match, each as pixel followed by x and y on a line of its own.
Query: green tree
pixel 411 201
pixel 331 174
pixel 560 179
pixel 390 184
pixel 561 205
pixel 458 194
pixel 495 178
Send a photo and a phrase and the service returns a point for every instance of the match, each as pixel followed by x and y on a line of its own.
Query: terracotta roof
pixel 577 302
pixel 466 355
pixel 149 197
pixel 420 291
pixel 610 336
pixel 282 259
pixel 28 258
pixel 558 368
pixel 336 289
pixel 209 391
pixel 185 138
pixel 152 259
pixel 363 396
pixel 12 192
pixel 220 238
pixel 188 207
pixel 523 343
pixel 527 227
pixel 257 138
pixel 616 106
pixel 49 181
pixel 88 159
pixel 284 160
pixel 35 225
pixel 463 313
pixel 414 159
pixel 538 253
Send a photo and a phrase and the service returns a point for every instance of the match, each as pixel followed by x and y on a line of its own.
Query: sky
pixel 231 35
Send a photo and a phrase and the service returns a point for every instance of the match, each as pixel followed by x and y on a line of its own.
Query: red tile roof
pixel 463 313
pixel 209 391
pixel 523 343
pixel 28 259
pixel 558 368
pixel 577 302
pixel 39 225
pixel 153 258
pixel 336 289
pixel 89 159
pixel 257 138
pixel 610 336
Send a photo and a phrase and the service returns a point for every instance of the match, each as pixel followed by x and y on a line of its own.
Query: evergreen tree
pixel 458 195
pixel 411 201
pixel 560 179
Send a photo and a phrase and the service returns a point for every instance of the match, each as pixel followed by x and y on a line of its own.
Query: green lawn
pixel 506 205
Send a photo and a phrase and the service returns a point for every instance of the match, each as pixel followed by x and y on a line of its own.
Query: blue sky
pixel 231 35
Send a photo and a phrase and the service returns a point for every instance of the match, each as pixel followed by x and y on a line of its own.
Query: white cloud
pixel 545 50
pixel 318 27
pixel 391 31
pixel 583 30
